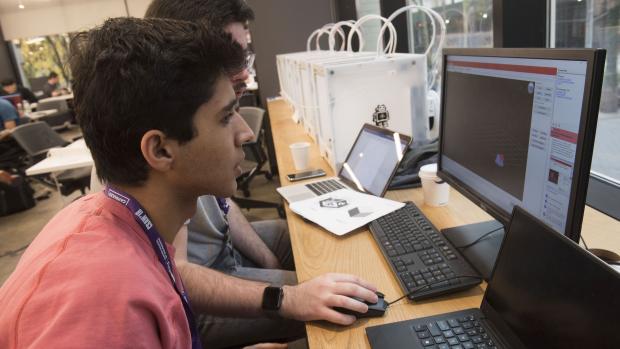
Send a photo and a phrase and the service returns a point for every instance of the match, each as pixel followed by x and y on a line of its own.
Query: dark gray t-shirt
pixel 207 232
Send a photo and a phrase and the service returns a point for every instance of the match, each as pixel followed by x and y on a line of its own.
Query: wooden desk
pixel 317 252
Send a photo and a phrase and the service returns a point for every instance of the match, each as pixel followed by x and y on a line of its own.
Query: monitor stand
pixel 482 254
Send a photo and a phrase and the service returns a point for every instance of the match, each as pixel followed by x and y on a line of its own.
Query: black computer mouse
pixel 374 309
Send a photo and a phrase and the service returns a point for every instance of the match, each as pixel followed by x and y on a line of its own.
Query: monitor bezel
pixel 595 59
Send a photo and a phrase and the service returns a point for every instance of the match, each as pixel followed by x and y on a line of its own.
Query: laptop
pixel 368 168
pixel 545 292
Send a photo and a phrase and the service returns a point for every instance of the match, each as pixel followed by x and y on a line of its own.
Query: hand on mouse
pixel 316 298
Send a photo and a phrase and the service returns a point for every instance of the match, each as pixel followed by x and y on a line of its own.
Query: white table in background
pixel 75 155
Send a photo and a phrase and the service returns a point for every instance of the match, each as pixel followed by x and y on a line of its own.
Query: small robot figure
pixel 381 116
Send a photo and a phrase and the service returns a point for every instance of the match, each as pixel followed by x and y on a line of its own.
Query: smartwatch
pixel 272 300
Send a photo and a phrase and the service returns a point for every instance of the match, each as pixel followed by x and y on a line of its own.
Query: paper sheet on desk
pixel 344 210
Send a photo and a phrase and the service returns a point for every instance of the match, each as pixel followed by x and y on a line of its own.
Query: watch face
pixel 272 298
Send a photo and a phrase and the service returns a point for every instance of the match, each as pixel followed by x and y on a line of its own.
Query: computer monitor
pixel 517 128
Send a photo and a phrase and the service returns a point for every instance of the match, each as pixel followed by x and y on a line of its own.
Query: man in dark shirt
pixel 9 87
pixel 52 88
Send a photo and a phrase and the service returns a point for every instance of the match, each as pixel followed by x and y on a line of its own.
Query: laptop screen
pixel 373 159
pixel 550 292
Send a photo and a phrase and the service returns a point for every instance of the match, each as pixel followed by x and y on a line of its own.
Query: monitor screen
pixel 513 128
pixel 373 159
pixel 550 292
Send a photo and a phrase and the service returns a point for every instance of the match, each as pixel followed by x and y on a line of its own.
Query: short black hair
pixel 52 75
pixel 215 13
pixel 7 82
pixel 133 75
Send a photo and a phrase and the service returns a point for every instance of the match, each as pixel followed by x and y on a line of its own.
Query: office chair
pixel 59 120
pixel 253 116
pixel 36 85
pixel 36 139
pixel 252 166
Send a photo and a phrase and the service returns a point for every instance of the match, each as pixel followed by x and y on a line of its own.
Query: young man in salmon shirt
pixel 158 112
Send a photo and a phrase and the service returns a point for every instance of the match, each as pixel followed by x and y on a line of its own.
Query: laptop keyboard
pixel 465 332
pixel 324 187
pixel 422 259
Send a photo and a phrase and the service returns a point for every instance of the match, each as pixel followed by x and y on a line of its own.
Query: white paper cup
pixel 301 154
pixel 436 191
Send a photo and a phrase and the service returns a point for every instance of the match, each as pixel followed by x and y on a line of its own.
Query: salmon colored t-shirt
pixel 91 279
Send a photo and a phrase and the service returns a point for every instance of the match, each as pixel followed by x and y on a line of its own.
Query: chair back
pixel 37 137
pixel 253 116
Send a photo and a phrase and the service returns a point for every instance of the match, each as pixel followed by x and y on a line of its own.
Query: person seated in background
pixel 52 86
pixel 9 87
pixel 9 117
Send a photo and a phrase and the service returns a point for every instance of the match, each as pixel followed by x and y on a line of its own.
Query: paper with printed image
pixel 344 210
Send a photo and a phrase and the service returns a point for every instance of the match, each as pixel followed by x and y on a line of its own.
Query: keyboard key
pixel 443 325
pixel 459 330
pixel 419 328
pixel 443 346
pixel 458 346
pixel 434 330
pixel 423 334
pixel 439 339
pixel 453 341
pixel 427 342
pixel 468 345
pixel 461 337
pixel 440 284
pixel 453 323
pixel 449 334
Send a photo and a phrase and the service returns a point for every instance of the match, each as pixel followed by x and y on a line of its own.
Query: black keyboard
pixel 463 329
pixel 324 187
pixel 422 259
pixel 466 332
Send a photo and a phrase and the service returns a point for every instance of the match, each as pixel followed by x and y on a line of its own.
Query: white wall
pixel 64 18
pixel 137 8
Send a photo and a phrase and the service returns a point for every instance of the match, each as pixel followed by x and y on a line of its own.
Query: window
pixel 468 23
pixel 370 29
pixel 39 56
pixel 596 23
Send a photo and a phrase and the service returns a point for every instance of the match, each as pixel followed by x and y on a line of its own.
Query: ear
pixel 158 150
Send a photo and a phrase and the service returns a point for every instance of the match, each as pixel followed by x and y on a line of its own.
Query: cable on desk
pixel 420 288
pixel 479 239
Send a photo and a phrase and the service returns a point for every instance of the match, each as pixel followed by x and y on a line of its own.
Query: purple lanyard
pixel 160 250
pixel 223 204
